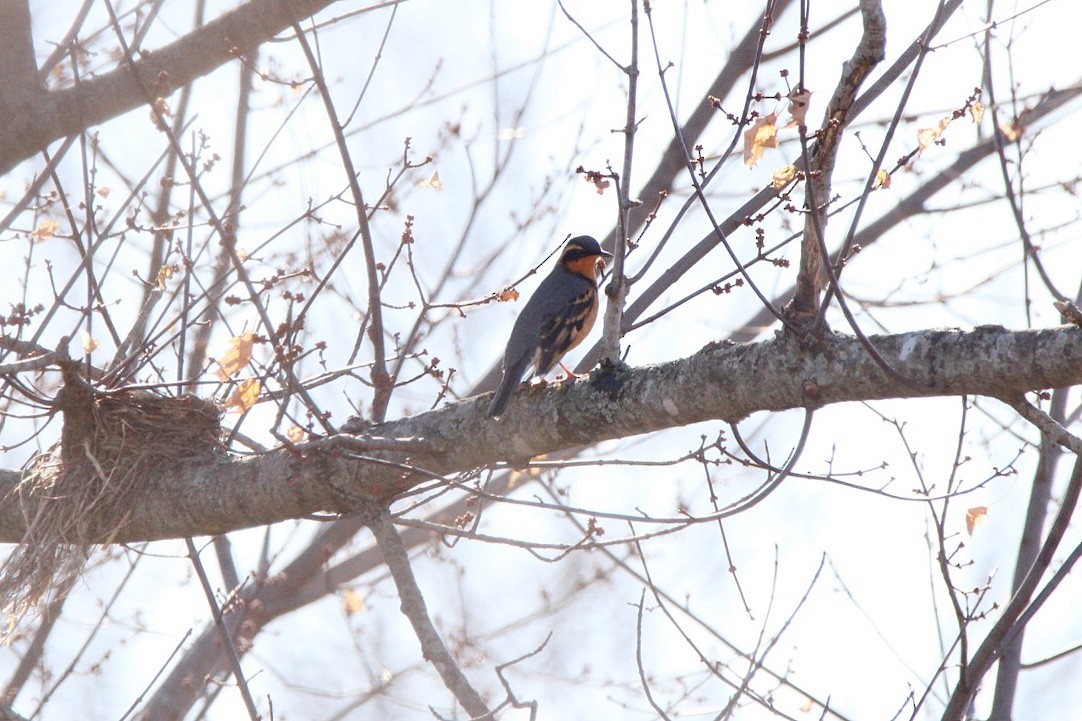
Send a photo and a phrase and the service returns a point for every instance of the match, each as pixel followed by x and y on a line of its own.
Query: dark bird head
pixel 581 254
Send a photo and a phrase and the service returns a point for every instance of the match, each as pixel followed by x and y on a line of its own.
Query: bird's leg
pixel 569 374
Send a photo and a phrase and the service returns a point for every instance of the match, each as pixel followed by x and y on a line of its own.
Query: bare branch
pixel 869 52
pixel 37 120
pixel 224 632
pixel 413 607
pixel 1040 497
pixel 381 380
pixel 1020 609
pixel 618 286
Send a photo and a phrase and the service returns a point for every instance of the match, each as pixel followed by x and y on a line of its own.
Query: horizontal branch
pixel 723 381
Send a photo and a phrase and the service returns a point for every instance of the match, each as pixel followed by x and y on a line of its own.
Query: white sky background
pixel 867 635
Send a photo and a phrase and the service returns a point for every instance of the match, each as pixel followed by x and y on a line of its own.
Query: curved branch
pixel 33 119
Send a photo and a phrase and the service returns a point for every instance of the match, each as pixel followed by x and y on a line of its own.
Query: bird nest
pixel 80 492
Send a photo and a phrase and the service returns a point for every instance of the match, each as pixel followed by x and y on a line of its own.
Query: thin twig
pixel 139 699
pixel 511 698
pixel 719 233
pixel 413 607
pixel 223 630
pixel 659 593
pixel 1015 614
pixel 380 377
pixel 227 238
pixel 638 658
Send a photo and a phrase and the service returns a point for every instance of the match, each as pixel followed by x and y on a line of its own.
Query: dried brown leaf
pixel 783 176
pixel 45 230
pixel 799 100
pixel 763 134
pixel 89 344
pixel 974 517
pixel 432 182
pixel 237 356
pixel 244 396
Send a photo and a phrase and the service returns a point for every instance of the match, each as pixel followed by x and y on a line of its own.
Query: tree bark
pixel 34 118
pixel 723 381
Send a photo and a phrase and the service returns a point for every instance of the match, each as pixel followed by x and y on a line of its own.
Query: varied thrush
pixel 556 318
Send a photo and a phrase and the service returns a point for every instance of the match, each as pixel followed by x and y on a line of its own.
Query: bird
pixel 557 317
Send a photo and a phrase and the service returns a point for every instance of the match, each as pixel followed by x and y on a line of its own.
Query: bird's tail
pixel 503 394
pixel 511 378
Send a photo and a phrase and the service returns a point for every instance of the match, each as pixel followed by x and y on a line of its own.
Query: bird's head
pixel 581 255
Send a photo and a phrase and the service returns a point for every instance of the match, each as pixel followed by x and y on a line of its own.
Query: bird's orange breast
pixel 584 324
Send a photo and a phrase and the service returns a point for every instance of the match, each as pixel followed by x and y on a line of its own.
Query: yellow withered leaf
pixel 927 136
pixel 45 230
pixel 432 182
pixel 783 176
pixel 1012 131
pixel 89 344
pixel 974 517
pixel 976 111
pixel 244 396
pixel 352 602
pixel 237 356
pixel 760 136
pixel 165 273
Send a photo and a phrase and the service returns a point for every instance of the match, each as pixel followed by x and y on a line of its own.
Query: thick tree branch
pixel 33 119
pixel 19 78
pixel 870 52
pixel 724 381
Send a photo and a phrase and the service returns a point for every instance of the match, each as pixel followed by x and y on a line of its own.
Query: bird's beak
pixel 604 258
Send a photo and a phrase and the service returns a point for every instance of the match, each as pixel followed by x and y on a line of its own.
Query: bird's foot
pixel 569 375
